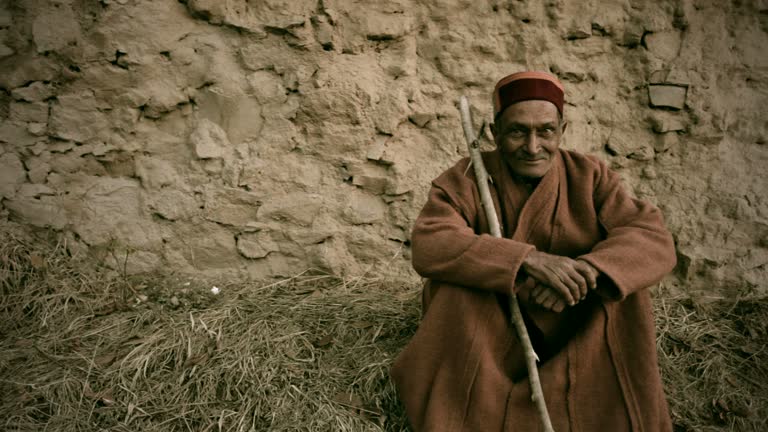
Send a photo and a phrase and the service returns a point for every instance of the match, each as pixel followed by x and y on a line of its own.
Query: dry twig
pixel 481 175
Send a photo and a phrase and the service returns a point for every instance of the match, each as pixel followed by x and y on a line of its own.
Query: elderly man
pixel 577 249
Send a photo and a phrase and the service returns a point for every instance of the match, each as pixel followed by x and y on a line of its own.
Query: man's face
pixel 528 135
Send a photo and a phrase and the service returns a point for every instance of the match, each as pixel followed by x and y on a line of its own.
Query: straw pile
pixel 713 354
pixel 83 350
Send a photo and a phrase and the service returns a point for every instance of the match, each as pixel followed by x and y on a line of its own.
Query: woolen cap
pixel 527 85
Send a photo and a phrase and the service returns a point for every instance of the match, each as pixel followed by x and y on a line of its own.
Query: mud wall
pixel 261 138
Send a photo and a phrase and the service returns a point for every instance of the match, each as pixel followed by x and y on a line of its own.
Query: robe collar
pixel 528 216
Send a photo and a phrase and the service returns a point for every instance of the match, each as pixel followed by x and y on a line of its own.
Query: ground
pixel 86 349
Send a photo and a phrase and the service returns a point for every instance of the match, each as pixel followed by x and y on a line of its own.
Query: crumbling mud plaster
pixel 261 138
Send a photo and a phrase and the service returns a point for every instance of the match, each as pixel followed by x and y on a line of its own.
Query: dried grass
pixel 82 350
pixel 713 354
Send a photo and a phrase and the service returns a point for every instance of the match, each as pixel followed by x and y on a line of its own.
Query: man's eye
pixel 517 132
pixel 547 131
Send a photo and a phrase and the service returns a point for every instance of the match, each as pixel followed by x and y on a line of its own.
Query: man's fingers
pixel 554 302
pixel 559 306
pixel 569 277
pixel 565 290
pixel 581 282
pixel 540 295
pixel 549 303
pixel 588 273
pixel 547 298
pixel 573 288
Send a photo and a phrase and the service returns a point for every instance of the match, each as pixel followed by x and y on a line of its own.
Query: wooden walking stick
pixel 481 175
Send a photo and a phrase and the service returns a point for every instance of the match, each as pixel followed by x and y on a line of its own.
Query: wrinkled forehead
pixel 530 113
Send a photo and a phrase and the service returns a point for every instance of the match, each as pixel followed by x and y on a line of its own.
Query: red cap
pixel 528 85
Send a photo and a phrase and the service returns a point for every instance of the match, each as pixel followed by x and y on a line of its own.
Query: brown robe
pixel 464 369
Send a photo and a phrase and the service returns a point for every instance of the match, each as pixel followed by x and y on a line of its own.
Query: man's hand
pixel 571 278
pixel 590 273
pixel 547 297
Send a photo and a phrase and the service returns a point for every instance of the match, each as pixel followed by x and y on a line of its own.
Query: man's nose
pixel 532 143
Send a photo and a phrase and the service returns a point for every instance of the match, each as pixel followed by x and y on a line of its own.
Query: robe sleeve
pixel 638 250
pixel 446 248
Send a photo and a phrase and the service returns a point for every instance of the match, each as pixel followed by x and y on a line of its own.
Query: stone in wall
pixel 666 141
pixel 239 115
pixel 5 21
pixel 296 208
pixel 158 97
pixel 578 29
pixel 421 119
pixel 231 206
pixel 36 91
pixel 256 245
pixel 388 113
pixel 624 145
pixel 371 177
pixel 664 45
pixel 663 123
pixel 667 96
pixel 28 69
pixel 201 246
pixel 319 232
pixel 325 34
pixel 78 117
pixel 104 209
pixel 295 171
pixel 267 87
pixel 172 204
pixel 383 25
pixel 55 27
pixel 224 12
pixel 333 256
pixel 633 34
pixel 38 168
pixel 363 208
pixel 332 104
pixel 31 112
pixel 209 140
pixel 12 175
pixel 16 133
pixel 42 212
pixel 399 58
pixel 275 265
